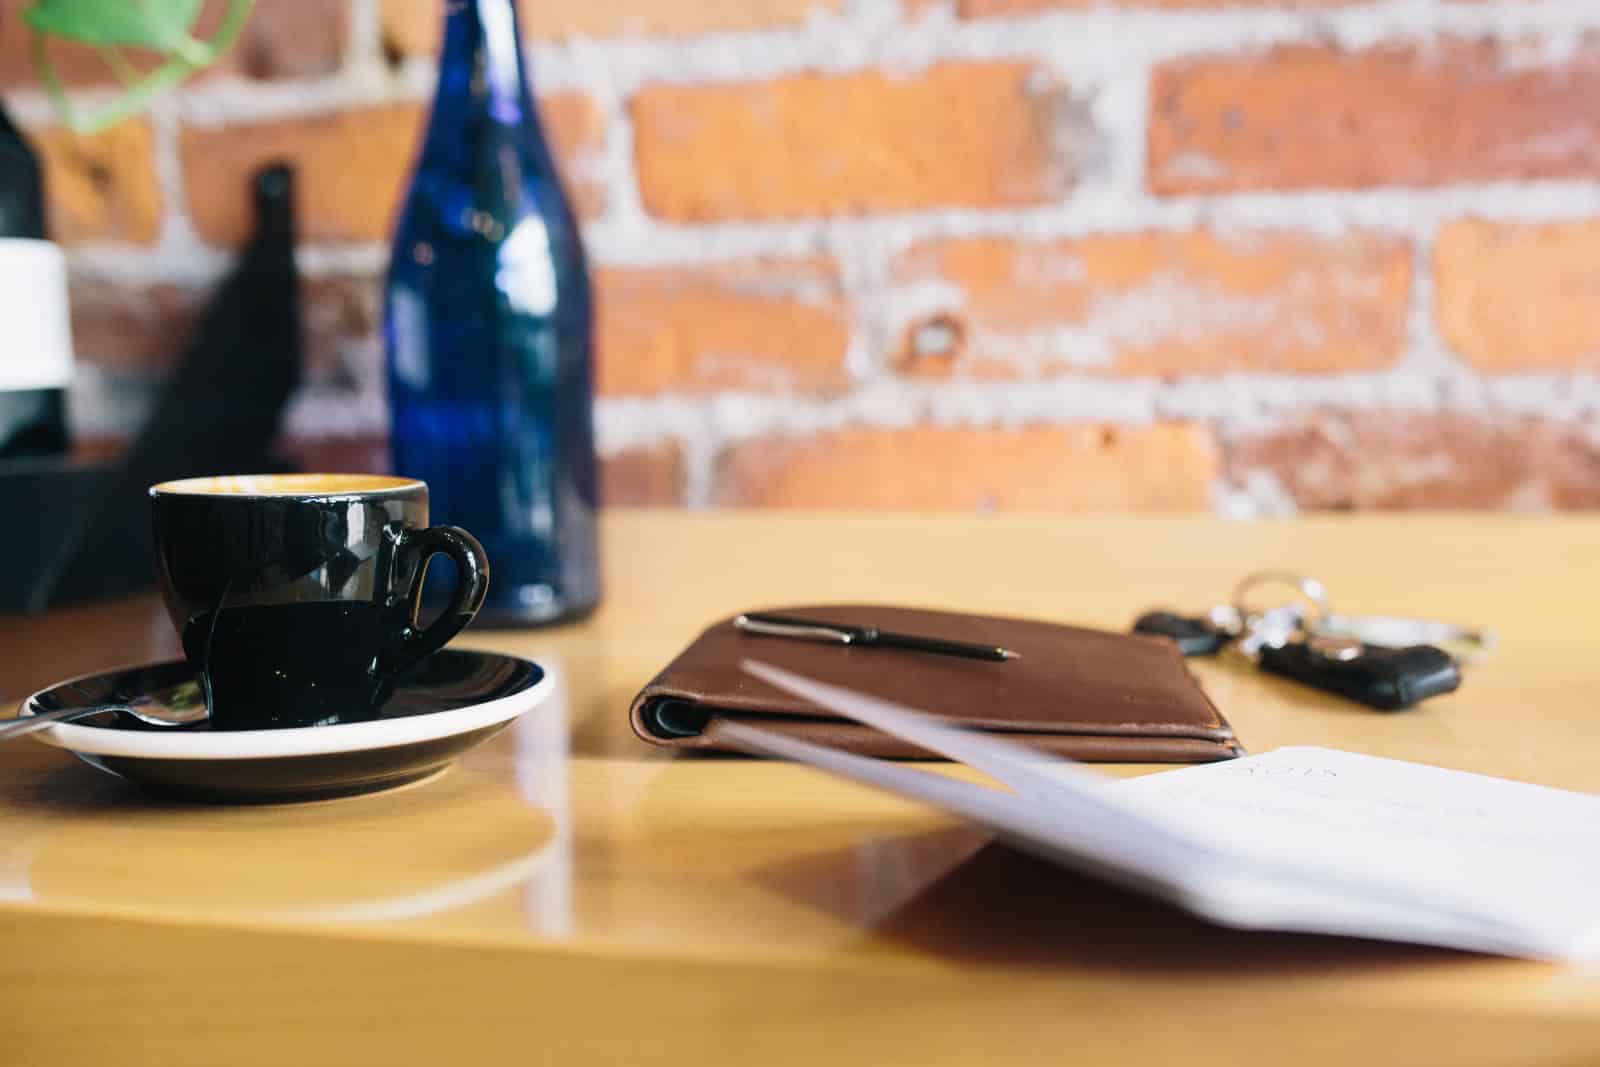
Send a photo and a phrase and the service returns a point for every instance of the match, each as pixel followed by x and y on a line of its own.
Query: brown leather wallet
pixel 1086 694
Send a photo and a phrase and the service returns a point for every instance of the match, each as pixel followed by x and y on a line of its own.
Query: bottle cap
pixel 37 350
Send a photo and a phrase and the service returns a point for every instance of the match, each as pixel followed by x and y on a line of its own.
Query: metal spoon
pixel 169 717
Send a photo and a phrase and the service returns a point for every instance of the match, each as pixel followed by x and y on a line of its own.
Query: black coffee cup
pixel 296 594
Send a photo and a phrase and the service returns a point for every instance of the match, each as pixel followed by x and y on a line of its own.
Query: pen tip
pixel 1006 653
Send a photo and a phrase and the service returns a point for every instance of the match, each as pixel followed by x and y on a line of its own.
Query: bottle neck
pixel 482 58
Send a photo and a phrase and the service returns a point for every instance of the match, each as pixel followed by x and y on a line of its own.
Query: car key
pixel 1195 635
pixel 1388 679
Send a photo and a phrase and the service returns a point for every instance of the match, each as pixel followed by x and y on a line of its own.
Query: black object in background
pixel 33 421
pixel 1195 635
pixel 220 410
pixel 21 184
pixel 81 532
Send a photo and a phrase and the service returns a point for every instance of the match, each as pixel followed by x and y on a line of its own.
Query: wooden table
pixel 567 895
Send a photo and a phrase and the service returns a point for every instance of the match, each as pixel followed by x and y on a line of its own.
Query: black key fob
pixel 1389 679
pixel 1195 636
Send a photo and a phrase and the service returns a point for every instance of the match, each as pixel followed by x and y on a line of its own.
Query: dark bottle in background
pixel 36 353
pixel 488 331
pixel 220 410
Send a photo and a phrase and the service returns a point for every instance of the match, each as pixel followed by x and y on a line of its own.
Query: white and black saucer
pixel 450 702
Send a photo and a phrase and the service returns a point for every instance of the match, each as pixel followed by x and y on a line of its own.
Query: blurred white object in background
pixel 35 347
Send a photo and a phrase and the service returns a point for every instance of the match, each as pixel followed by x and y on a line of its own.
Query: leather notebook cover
pixel 1086 694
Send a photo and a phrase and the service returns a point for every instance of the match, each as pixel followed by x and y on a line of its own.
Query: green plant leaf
pixel 153 24
pixel 97 22
pixel 171 20
pixel 168 34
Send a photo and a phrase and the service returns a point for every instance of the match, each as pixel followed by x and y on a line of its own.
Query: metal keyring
pixel 1311 590
pixel 1341 637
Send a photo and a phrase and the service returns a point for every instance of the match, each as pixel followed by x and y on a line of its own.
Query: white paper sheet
pixel 1306 839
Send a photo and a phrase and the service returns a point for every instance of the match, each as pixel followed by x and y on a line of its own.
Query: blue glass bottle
pixel 488 331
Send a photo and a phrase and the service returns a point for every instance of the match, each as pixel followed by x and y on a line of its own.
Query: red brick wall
pixel 1038 254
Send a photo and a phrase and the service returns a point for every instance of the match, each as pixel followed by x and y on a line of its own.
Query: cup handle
pixel 472 570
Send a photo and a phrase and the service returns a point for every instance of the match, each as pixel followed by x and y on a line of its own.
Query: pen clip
pixel 812 631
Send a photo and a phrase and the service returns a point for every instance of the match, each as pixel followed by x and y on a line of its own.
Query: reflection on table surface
pixel 527 841
pixel 499 844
